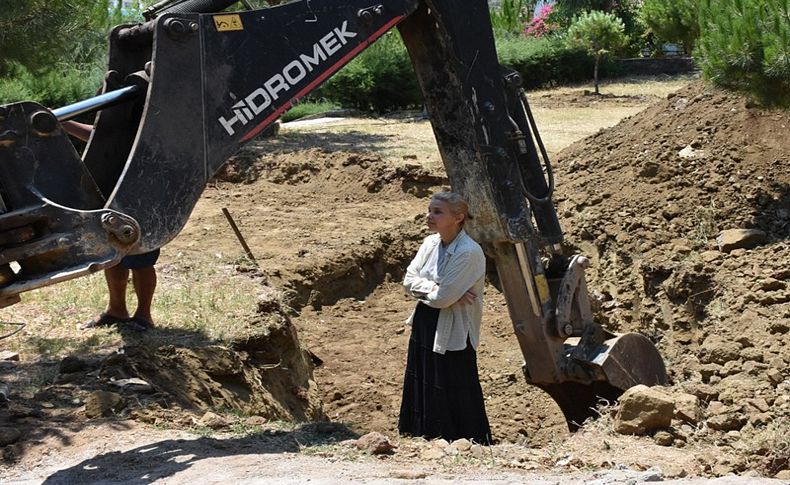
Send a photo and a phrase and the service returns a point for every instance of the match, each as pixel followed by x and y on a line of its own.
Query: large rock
pixel 643 409
pixel 375 443
pixel 715 349
pixel 740 239
pixel 213 421
pixel 687 408
pixel 102 403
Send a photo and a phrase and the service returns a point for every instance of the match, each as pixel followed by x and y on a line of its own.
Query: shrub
pixel 59 86
pixel 540 25
pixel 672 20
pixel 745 45
pixel 379 79
pixel 597 33
pixel 546 61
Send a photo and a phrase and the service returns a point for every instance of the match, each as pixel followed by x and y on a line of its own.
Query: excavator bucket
pixel 623 362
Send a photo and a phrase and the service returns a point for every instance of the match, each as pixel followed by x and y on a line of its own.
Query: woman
pixel 442 396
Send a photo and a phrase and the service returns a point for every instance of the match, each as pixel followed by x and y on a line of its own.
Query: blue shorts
pixel 139 261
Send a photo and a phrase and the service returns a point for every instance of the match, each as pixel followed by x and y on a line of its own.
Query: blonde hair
pixel 455 202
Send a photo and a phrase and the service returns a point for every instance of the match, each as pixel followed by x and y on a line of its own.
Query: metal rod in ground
pixel 239 236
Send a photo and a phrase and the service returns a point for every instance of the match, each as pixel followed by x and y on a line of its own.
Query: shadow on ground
pixel 159 460
pixel 266 374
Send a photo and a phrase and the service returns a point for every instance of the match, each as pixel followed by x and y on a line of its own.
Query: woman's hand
pixel 468 298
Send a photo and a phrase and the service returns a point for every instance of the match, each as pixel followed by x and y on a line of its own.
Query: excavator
pixel 194 80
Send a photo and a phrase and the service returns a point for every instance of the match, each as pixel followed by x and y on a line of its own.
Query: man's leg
pixel 144 280
pixel 117 278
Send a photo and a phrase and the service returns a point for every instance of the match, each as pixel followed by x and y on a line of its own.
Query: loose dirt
pixel 333 217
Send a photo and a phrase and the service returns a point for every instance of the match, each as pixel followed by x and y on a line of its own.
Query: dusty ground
pixel 332 216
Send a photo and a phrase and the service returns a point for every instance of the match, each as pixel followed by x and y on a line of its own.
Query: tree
pixel 598 33
pixel 565 12
pixel 745 45
pixel 55 51
pixel 672 20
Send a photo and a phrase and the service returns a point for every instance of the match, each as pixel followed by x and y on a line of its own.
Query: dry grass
pixel 204 299
pixel 405 137
pixel 656 86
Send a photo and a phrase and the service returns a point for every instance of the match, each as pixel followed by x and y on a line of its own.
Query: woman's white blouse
pixel 442 285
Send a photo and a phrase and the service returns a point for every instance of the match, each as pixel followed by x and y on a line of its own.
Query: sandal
pixel 138 324
pixel 103 320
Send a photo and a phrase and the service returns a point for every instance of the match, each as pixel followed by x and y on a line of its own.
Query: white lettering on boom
pixel 294 72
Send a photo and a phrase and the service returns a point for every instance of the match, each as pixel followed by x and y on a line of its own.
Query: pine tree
pixel 745 45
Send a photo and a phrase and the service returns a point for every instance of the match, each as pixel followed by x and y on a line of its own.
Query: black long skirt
pixel 442 397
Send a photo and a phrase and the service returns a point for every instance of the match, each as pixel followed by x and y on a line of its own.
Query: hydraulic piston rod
pixel 97 103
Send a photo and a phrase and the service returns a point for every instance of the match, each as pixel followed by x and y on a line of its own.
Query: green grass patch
pixel 307 108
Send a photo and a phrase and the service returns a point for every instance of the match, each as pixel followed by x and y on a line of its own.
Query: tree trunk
pixel 595 73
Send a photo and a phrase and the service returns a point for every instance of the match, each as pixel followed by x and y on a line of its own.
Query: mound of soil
pixel 648 200
pixel 266 372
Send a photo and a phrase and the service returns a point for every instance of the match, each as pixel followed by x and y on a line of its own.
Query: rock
pixel 255 421
pixel 103 403
pixel 760 419
pixel 727 421
pixel 759 404
pixel 722 469
pixel 772 284
pixel 704 392
pixel 72 364
pixel 752 353
pixel 432 453
pixel 133 384
pixel 477 451
pixel 671 211
pixel 691 153
pixel 375 443
pixel 663 438
pixel 775 376
pixel 740 239
pixel 783 475
pixel 7 355
pixel 779 326
pixel 687 408
pixel 407 474
pixel 738 387
pixel 709 370
pixel 461 445
pixel 674 471
pixel 213 421
pixel 643 409
pixel 715 349
pixel 440 443
pixel 710 256
pixel 9 435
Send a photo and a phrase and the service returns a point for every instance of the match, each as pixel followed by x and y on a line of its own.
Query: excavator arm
pixel 185 89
